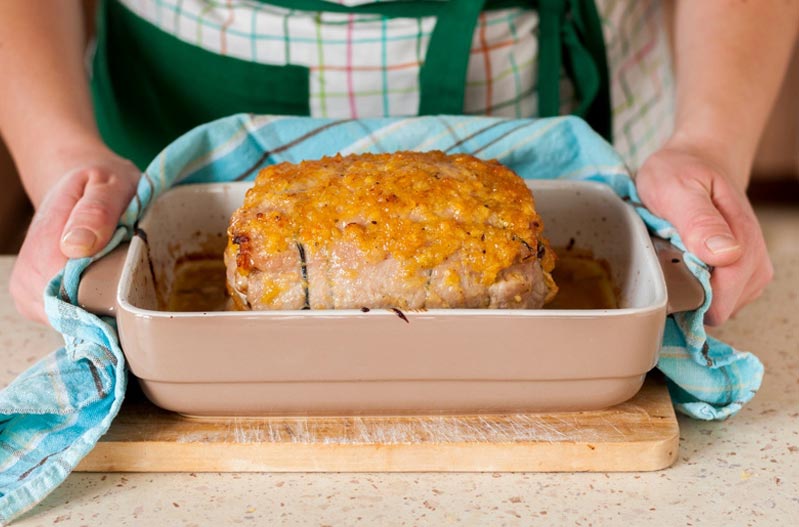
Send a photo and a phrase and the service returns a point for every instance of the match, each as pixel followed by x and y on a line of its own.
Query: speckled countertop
pixel 744 471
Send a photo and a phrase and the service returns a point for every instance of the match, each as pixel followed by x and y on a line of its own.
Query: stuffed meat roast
pixel 408 230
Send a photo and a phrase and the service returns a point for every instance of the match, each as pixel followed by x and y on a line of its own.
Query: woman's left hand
pixel 693 189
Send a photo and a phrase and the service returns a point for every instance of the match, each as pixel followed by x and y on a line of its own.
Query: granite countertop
pixel 744 471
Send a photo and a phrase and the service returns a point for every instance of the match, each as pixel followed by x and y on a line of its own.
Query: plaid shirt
pixel 368 66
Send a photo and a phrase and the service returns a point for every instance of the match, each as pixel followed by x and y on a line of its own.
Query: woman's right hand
pixel 75 219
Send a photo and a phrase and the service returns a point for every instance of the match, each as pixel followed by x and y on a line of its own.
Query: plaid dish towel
pixel 54 413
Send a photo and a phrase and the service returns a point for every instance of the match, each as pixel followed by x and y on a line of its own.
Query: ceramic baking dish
pixel 354 362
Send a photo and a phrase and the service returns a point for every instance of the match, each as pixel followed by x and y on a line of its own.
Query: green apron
pixel 149 87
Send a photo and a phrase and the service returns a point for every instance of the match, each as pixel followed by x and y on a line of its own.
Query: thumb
pixel 701 225
pixel 106 194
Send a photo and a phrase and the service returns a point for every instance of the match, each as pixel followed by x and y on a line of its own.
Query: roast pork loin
pixel 408 230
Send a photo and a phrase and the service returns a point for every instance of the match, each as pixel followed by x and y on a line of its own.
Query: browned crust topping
pixel 420 209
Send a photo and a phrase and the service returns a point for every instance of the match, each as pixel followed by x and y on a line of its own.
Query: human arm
pixel 730 58
pixel 78 186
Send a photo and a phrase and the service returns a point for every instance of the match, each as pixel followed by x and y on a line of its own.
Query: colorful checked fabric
pixel 54 413
pixel 368 65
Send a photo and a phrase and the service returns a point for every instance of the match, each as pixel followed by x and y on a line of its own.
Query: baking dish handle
pixel 97 291
pixel 684 291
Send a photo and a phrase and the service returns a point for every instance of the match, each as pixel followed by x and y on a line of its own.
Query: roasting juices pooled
pixel 407 230
pixel 584 281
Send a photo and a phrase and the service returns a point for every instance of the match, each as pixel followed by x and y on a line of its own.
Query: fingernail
pixel 721 244
pixel 79 238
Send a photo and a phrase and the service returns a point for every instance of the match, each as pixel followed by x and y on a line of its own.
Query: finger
pixel 745 302
pixel 758 282
pixel 735 286
pixel 702 227
pixel 28 305
pixel 39 258
pixel 95 216
pixel 749 299
pixel 740 285
pixel 728 284
pixel 739 215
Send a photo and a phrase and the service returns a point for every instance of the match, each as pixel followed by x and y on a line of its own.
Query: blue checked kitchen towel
pixel 54 413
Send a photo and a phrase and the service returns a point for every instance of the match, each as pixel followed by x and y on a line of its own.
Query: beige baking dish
pixel 354 362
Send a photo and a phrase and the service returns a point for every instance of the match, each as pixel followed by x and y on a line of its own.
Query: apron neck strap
pixel 588 24
pixel 442 78
pixel 566 27
pixel 574 27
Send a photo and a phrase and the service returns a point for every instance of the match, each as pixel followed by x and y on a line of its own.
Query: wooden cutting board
pixel 639 435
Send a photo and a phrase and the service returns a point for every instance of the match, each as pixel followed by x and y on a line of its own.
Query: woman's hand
pixel 692 187
pixel 76 218
pixel 78 186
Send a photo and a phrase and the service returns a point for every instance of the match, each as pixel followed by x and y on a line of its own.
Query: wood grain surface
pixel 639 435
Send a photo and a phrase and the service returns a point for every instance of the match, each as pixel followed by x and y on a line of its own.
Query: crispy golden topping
pixel 419 208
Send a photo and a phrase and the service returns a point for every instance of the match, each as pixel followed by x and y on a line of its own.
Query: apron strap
pixel 442 78
pixel 574 26
pixel 551 14
pixel 588 24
